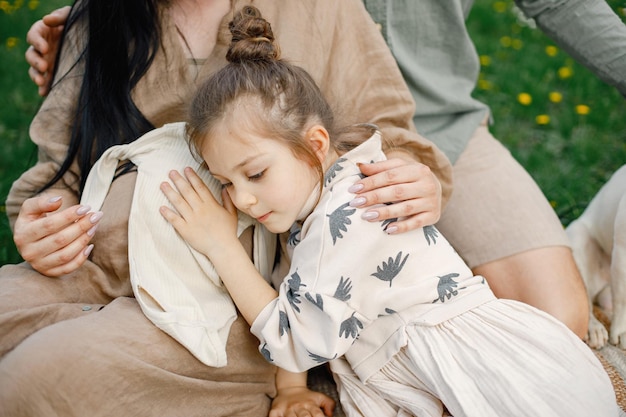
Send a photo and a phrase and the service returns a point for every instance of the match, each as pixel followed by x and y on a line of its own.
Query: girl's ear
pixel 319 139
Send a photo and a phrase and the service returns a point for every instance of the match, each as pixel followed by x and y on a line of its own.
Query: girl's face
pixel 263 177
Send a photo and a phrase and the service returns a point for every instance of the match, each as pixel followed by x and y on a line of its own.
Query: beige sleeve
pixel 366 85
pixel 50 130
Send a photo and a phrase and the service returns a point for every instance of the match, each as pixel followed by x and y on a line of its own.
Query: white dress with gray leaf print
pixel 408 329
pixel 347 274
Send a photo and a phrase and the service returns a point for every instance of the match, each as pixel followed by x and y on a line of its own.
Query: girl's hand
pixel 412 189
pixel 199 218
pixel 301 402
pixel 44 37
pixel 54 242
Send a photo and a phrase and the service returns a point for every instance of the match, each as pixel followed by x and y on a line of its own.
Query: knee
pixel 36 377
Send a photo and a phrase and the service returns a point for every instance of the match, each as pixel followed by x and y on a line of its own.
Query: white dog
pixel 598 239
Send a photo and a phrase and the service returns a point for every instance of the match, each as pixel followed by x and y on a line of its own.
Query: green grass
pixel 570 157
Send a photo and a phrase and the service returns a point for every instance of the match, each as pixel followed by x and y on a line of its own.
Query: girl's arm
pixel 211 229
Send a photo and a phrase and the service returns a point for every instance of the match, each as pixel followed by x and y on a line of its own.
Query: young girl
pixel 403 312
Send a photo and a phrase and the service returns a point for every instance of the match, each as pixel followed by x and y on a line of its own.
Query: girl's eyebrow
pixel 239 165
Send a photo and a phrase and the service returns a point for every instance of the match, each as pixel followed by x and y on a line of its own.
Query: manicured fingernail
pixel 83 210
pixel 88 250
pixel 96 216
pixel 370 215
pixel 54 199
pixel 92 231
pixel 355 188
pixel 359 201
pixel 391 230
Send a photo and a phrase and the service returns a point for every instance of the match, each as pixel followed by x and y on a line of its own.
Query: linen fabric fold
pixel 176 286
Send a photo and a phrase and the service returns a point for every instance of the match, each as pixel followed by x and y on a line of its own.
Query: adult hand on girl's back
pixel 411 187
pixel 54 242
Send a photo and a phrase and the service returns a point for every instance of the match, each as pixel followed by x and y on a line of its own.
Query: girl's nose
pixel 243 200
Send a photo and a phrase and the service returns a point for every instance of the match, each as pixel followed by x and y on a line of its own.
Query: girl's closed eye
pixel 226 184
pixel 256 177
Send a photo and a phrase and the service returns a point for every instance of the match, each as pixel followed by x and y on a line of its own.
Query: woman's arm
pixel 588 30
pixel 53 235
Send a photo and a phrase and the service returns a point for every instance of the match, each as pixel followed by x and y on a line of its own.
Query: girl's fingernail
pixel 54 199
pixel 359 201
pixel 83 210
pixel 391 230
pixel 370 215
pixel 92 231
pixel 96 216
pixel 355 188
pixel 88 250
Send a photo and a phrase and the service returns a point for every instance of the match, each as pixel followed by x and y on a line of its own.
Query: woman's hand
pixel 301 402
pixel 54 242
pixel 199 218
pixel 44 36
pixel 412 189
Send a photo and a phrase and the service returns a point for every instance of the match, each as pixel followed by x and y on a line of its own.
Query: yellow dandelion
pixel 517 44
pixel 11 42
pixel 485 85
pixel 5 6
pixel 555 96
pixel 505 41
pixel 565 72
pixel 582 109
pixel 33 4
pixel 542 119
pixel 524 99
pixel 553 203
pixel 485 60
pixel 499 6
pixel 552 50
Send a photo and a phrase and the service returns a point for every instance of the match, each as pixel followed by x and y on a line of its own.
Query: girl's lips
pixel 264 217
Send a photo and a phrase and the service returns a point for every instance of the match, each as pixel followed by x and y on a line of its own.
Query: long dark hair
pixel 123 37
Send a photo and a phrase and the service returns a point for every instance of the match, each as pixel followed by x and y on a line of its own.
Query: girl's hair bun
pixel 253 39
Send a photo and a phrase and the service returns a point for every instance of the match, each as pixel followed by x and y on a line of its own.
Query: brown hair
pixel 285 99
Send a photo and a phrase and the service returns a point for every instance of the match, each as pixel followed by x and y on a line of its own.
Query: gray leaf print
pixel 350 327
pixel 339 219
pixel 319 302
pixel 294 238
pixel 266 353
pixel 283 322
pixel 391 268
pixel 342 292
pixel 431 232
pixel 447 287
pixel 320 359
pixel 333 170
pixel 386 223
pixel 292 294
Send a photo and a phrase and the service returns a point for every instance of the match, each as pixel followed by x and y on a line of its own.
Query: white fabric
pixel 177 287
pixel 503 358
